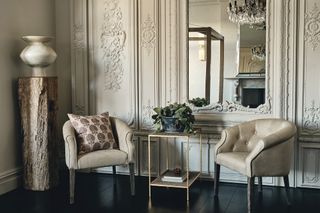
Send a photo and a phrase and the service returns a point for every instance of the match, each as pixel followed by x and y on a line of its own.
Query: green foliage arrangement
pixel 199 102
pixel 181 112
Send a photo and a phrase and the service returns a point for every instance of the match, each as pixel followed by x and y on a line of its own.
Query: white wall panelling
pixel 173 50
pixel 155 154
pixel 309 166
pixel 308 56
pixel 308 93
pixel 79 56
pixel 112 56
pixel 149 65
pixel 148 50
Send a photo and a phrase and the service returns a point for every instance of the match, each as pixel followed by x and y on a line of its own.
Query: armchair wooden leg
pixel 260 184
pixel 286 184
pixel 114 174
pixel 216 178
pixel 71 184
pixel 250 193
pixel 132 181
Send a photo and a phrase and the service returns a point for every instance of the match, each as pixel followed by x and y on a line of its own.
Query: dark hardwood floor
pixel 96 193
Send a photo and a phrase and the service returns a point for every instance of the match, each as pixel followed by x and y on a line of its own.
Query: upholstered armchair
pixel 100 158
pixel 256 148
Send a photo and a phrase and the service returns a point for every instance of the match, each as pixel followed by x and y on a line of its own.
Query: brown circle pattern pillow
pixel 93 132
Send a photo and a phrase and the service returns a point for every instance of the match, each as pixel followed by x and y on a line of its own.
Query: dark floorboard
pixel 96 193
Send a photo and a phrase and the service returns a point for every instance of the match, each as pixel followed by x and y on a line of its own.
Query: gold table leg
pixel 149 166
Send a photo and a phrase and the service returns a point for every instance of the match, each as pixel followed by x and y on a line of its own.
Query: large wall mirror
pixel 242 59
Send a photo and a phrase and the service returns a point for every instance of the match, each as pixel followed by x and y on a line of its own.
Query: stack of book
pixel 172 176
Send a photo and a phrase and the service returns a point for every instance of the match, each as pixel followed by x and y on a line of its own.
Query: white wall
pixel 18 18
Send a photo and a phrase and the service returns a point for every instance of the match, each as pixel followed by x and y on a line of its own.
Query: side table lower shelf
pixel 185 184
pixel 192 175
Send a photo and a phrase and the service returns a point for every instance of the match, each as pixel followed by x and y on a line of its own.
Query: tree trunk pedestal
pixel 38 111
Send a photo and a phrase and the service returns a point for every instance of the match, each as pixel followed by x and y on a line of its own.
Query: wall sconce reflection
pixel 202 51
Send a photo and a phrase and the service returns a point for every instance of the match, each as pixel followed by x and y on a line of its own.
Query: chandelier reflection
pixel 251 12
pixel 258 52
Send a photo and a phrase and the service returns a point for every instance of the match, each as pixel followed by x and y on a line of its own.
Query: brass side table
pixel 191 175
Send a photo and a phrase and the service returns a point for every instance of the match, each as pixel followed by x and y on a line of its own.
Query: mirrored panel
pixel 252 49
pixel 206 52
pixel 250 81
pixel 244 57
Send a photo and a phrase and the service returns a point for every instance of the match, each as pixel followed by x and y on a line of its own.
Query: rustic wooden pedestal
pixel 38 110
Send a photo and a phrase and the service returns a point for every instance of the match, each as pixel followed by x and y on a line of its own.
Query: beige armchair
pixel 101 158
pixel 256 148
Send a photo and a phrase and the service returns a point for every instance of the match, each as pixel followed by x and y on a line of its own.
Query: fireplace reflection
pixel 252 97
pixel 249 90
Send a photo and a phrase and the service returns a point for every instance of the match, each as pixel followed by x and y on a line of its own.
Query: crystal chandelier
pixel 251 12
pixel 258 52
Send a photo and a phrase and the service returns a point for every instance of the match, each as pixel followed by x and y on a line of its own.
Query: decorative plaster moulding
pixel 312 27
pixel 147 112
pixel 233 107
pixel 148 34
pixel 112 40
pixel 311 120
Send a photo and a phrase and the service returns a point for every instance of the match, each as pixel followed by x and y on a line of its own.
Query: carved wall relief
pixel 311 120
pixel 78 37
pixel 148 34
pixel 147 112
pixel 113 39
pixel 312 27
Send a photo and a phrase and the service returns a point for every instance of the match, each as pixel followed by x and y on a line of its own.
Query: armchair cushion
pixel 93 132
pixel 233 160
pixel 102 158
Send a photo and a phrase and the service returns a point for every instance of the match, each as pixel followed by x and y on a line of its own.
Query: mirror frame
pixel 231 107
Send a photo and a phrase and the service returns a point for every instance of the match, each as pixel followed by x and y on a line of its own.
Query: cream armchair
pixel 101 158
pixel 256 148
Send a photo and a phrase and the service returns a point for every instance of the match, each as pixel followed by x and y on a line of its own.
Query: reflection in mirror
pixel 206 48
pixel 244 56
pixel 250 82
pixel 252 40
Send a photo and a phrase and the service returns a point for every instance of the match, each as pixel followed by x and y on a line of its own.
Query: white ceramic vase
pixel 37 54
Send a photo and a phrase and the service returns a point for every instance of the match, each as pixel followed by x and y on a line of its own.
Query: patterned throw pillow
pixel 93 132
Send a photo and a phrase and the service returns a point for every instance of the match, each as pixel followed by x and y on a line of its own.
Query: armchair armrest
pixel 272 140
pixel 282 136
pixel 279 137
pixel 125 135
pixel 228 139
pixel 70 145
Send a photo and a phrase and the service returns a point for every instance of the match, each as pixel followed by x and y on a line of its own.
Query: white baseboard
pixel 10 180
